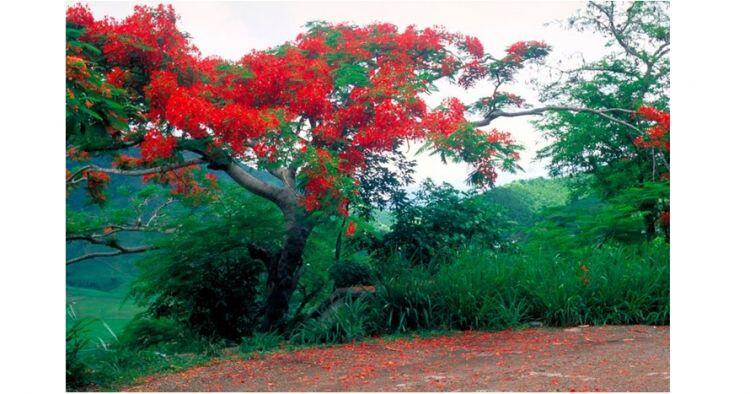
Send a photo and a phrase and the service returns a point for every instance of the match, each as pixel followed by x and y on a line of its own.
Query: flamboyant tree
pixel 313 112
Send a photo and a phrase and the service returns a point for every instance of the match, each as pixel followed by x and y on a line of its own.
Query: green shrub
pixel 116 366
pixel 473 289
pixel 77 372
pixel 261 342
pixel 440 219
pixel 409 301
pixel 613 284
pixel 350 273
pixel 348 321
pixel 144 332
pixel 203 275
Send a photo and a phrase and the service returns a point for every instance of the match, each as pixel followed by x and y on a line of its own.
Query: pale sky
pixel 231 29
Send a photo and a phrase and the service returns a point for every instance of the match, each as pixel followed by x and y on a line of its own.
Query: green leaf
pixel 351 75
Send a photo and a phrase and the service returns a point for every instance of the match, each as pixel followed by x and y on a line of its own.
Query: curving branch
pixel 253 184
pixel 120 250
pixel 141 171
pixel 247 180
pixel 498 113
pixel 618 33
pixel 285 175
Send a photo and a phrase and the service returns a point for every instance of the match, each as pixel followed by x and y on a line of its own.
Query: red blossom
pixel 116 77
pixel 157 146
pixel 474 46
pixel 182 182
pixel 350 229
pixel 77 155
pixel 664 218
pixel 126 162
pixel 656 136
pixel 95 184
pixel 79 15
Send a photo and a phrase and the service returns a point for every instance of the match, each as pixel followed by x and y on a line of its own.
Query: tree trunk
pixel 283 272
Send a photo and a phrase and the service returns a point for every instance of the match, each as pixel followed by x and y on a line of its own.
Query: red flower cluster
pixel 79 15
pixel 658 135
pixel 116 77
pixel 95 184
pixel 182 180
pixel 157 146
pixel 474 46
pixel 77 155
pixel 494 136
pixel 351 229
pixel 664 218
pixel 125 162
pixel 147 39
pixel 320 183
pixel 523 50
pixel 76 69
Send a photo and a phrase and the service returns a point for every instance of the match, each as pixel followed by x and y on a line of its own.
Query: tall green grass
pixel 480 289
pixel 351 320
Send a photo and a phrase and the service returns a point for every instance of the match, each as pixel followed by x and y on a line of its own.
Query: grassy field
pixel 107 307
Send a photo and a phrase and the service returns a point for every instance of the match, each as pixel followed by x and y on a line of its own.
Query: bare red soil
pixel 609 358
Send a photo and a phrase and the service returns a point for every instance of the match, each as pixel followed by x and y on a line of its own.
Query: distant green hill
pixel 524 200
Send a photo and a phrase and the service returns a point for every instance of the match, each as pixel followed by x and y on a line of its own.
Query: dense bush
pixel 213 296
pixel 350 273
pixel 203 275
pixel 144 332
pixel 440 219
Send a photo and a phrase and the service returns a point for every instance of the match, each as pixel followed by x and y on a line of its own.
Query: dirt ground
pixel 609 358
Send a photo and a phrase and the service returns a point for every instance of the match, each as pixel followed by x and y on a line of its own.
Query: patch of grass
pixel 260 342
pixel 349 321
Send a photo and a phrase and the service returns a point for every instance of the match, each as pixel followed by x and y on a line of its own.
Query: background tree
pixel 439 218
pixel 626 144
pixel 310 112
pixel 610 118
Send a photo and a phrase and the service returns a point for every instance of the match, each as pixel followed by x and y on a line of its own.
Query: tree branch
pixel 285 175
pixel 142 171
pixel 498 113
pixel 253 184
pixel 617 33
pixel 119 251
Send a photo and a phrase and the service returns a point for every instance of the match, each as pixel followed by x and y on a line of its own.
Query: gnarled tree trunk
pixel 284 268
pixel 283 273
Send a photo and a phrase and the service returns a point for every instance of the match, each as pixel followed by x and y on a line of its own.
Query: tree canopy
pixel 310 110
